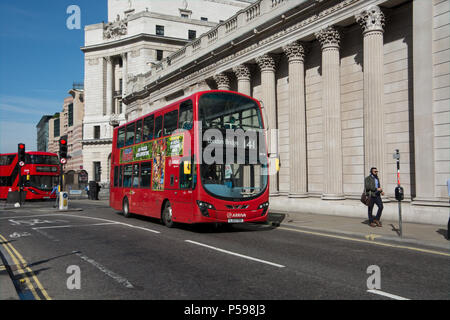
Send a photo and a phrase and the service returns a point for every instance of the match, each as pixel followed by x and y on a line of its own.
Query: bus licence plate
pixel 235 220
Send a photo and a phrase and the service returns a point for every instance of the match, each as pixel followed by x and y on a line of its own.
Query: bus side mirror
pixel 187 167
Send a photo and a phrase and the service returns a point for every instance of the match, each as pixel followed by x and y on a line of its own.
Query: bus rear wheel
pixel 126 208
pixel 167 217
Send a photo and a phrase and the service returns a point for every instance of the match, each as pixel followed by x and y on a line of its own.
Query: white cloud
pixel 33 104
pixel 8 108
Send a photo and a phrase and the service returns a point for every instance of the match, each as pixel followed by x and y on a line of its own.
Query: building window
pixel 159 30
pixel 159 55
pixel 204 19
pixel 56 132
pixel 185 13
pixel 192 34
pixel 97 171
pixel 96 132
pixel 70 116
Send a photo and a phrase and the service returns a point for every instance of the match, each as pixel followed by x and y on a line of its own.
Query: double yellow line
pixel 29 277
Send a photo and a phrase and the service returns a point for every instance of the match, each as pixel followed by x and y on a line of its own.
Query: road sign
pixel 21 163
pixel 63 160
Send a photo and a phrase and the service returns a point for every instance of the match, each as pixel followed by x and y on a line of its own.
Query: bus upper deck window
pixel 130 134
pixel 170 122
pixel 186 115
pixel 138 132
pixel 147 132
pixel 121 138
pixel 158 127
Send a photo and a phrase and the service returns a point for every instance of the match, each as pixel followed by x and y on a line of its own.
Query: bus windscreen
pixel 234 165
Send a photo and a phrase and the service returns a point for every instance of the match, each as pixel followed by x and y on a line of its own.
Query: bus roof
pixel 39 153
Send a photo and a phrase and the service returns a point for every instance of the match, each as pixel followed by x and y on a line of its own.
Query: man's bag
pixel 365 199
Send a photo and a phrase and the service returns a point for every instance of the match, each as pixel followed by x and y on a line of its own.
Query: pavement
pixel 427 235
pixel 7 289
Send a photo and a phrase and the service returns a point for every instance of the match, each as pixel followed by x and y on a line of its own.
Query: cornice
pixel 134 39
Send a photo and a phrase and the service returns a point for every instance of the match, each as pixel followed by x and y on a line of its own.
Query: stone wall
pixel 441 94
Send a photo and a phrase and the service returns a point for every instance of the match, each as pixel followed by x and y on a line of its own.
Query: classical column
pixel 124 73
pixel 222 80
pixel 267 66
pixel 109 85
pixel 243 77
pixel 372 23
pixel 297 120
pixel 329 39
pixel 424 144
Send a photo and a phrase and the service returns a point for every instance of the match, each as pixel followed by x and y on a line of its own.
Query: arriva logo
pixel 236 215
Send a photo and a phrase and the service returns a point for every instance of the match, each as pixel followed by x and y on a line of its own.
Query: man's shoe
pixel 378 223
pixel 373 224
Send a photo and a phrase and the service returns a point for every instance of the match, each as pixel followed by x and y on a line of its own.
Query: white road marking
pixel 78 225
pixel 389 295
pixel 33 222
pixel 236 254
pixel 116 222
pixel 83 217
pixel 109 273
pixel 16 235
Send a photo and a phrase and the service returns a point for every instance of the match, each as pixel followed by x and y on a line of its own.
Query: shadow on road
pixel 273 222
pixel 50 259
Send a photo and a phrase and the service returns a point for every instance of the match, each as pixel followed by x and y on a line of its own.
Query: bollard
pixel 63 200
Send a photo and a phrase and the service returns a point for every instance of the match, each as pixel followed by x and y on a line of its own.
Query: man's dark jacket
pixel 370 187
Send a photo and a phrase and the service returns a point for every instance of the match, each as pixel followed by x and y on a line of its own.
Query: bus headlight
pixel 263 205
pixel 204 206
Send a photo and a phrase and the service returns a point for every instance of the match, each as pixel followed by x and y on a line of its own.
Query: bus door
pixel 127 181
pixel 184 169
pixel 134 194
pixel 184 194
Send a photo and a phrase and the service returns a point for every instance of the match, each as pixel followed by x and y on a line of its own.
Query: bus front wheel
pixel 126 208
pixel 167 218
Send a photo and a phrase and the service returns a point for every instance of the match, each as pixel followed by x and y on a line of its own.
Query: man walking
pixel 373 189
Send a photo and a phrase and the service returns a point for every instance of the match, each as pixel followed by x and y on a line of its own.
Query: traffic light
pixel 21 152
pixel 63 147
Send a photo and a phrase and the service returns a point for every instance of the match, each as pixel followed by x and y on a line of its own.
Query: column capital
pixel 266 62
pixel 242 72
pixel 371 19
pixel 108 59
pixel 328 37
pixel 222 81
pixel 295 51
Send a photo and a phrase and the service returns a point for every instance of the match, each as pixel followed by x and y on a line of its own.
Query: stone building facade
pixel 138 34
pixel 69 122
pixel 345 83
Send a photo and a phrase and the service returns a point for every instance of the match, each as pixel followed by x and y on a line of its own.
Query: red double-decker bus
pixel 39 174
pixel 186 163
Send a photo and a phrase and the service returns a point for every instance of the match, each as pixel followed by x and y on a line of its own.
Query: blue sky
pixel 40 58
